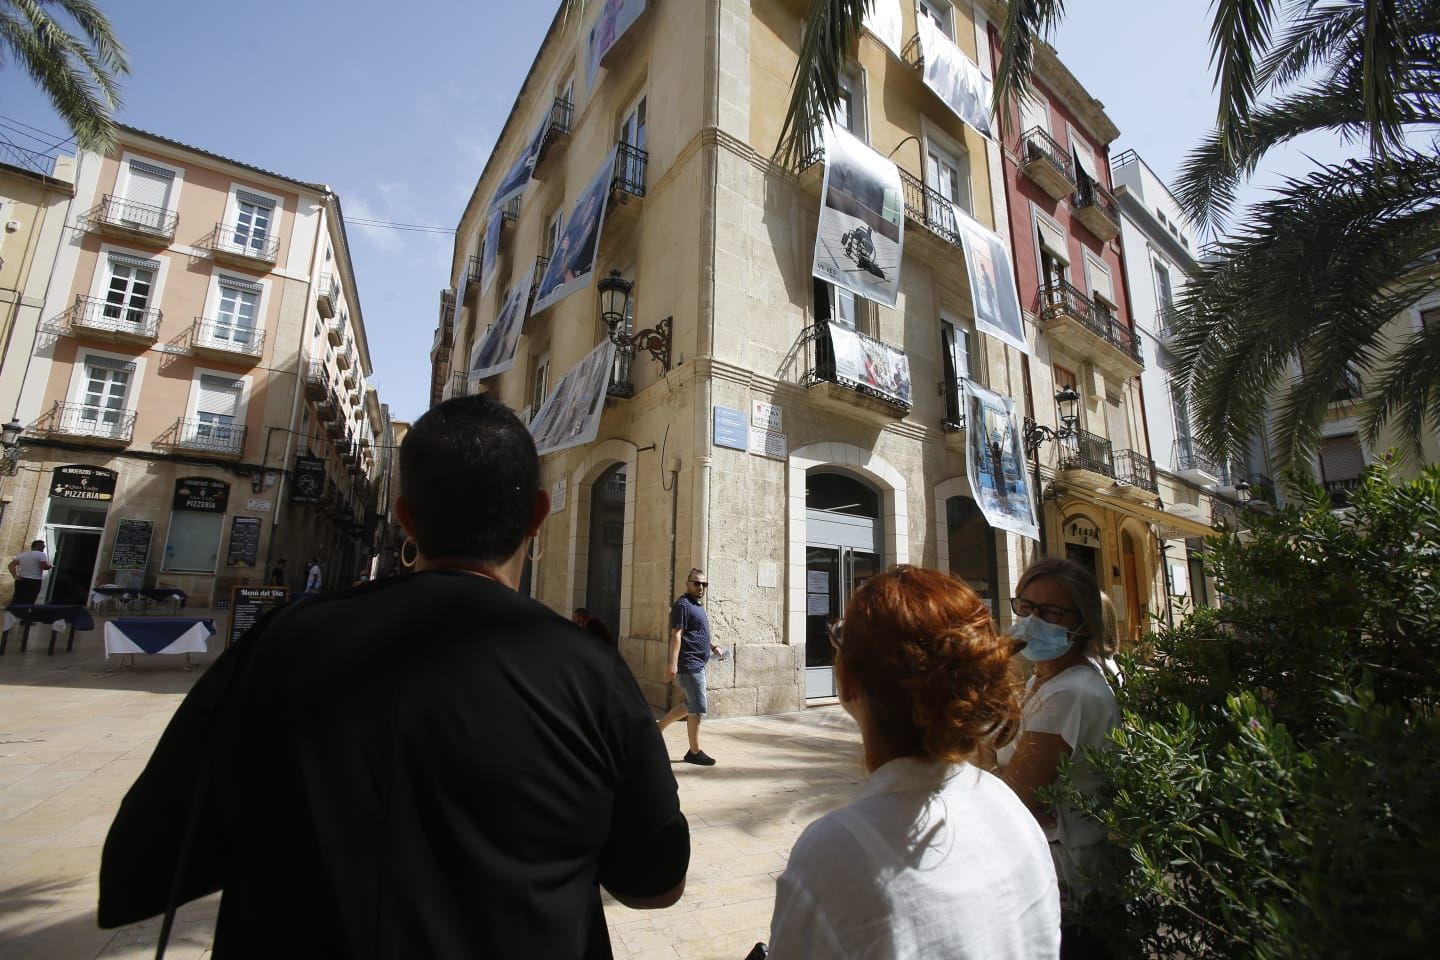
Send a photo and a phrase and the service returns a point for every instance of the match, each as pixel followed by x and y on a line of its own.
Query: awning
pixel 1086 162
pixel 1171 523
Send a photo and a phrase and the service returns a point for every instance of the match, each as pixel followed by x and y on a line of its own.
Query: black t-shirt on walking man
pixel 425 766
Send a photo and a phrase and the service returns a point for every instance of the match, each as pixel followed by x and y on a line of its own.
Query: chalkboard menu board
pixel 249 604
pixel 244 541
pixel 132 544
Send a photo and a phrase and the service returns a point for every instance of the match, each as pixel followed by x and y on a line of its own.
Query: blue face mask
pixel 1043 640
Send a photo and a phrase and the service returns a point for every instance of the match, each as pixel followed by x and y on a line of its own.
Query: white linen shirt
pixel 930 860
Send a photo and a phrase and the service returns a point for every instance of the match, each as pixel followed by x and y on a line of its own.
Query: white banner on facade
pixel 517 178
pixel 955 78
pixel 495 353
pixel 861 233
pixel 996 462
pixel 883 20
pixel 490 252
pixel 992 282
pixel 570 416
pixel 572 265
pixel 615 18
pixel 861 361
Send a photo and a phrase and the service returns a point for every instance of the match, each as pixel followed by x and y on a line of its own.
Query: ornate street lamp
pixel 614 308
pixel 10 442
pixel 1067 402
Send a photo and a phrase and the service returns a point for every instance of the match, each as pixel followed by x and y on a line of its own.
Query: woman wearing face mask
pixel 1068 707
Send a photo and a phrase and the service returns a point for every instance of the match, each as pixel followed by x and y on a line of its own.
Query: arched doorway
pixel 843 548
pixel 1130 575
pixel 973 557
pixel 606 546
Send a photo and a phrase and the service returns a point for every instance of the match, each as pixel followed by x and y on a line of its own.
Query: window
pixel 1163 294
pixel 973 557
pixel 1180 405
pixel 235 316
pixel 1342 462
pixel 939 12
pixel 1033 113
pixel 1097 274
pixel 552 235
pixel 955 352
pixel 949 176
pixel 1429 317
pixel 216 409
pixel 147 190
pixel 850 113
pixel 102 401
pixel 539 382
pixel 565 90
pixel 1065 378
pixel 1054 260
pixel 128 293
pixel 253 216
pixel 632 134
pixel 193 544
pixel 841 307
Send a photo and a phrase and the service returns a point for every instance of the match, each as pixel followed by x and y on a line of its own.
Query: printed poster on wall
pixel 572 266
pixel 495 353
pixel 570 415
pixel 955 78
pixel 883 20
pixel 992 282
pixel 870 363
pixel 862 220
pixel 518 176
pixel 615 18
pixel 996 462
pixel 490 253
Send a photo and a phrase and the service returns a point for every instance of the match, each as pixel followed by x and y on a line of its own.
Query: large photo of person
pixel 490 252
pixel 570 416
pixel 861 232
pixel 572 265
pixel 997 462
pixel 992 283
pixel 615 18
pixel 870 363
pixel 495 353
pixel 955 78
pixel 517 178
pixel 883 20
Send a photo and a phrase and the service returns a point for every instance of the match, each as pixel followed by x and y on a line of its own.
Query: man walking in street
pixel 28 569
pixel 312 577
pixel 690 649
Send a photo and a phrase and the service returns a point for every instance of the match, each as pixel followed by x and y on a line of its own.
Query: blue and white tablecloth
pixel 158 635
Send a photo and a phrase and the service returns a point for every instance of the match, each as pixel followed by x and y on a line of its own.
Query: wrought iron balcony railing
pixel 102 316
pixel 238 240
pixel 1134 469
pixel 1082 450
pixel 929 208
pixel 90 420
pixel 132 217
pixel 561 111
pixel 630 164
pixel 317 380
pixel 1189 457
pixel 226 337
pixel 1037 144
pixel 1091 194
pixel 210 437
pixel 327 295
pixel 1062 299
pixel 1339 490
pixel 511 210
pixel 472 274
pixel 877 373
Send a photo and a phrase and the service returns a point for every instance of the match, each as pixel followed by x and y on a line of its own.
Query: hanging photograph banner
pixel 570 415
pixel 490 253
pixel 955 79
pixel 997 462
pixel 615 18
pixel 883 20
pixel 495 353
pixel 879 367
pixel 992 283
pixel 861 232
pixel 309 482
pixel 518 176
pixel 572 266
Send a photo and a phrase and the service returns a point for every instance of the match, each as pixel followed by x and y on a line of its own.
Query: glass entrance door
pixel 832 575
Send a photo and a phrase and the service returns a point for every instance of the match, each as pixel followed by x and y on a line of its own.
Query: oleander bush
pixel 1274 790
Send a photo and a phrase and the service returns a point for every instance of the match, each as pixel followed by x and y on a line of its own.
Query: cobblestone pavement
pixel 75 732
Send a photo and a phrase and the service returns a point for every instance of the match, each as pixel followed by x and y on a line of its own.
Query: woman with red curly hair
pixel 935 857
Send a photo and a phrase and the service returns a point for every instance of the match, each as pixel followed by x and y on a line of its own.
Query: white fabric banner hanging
pixel 490 253
pixel 955 79
pixel 495 352
pixel 861 234
pixel 992 283
pixel 572 266
pixel 865 362
pixel 996 462
pixel 883 20
pixel 570 415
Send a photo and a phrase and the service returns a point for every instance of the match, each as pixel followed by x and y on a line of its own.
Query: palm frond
pixel 1408 397
pixel 832 30
pixel 1239 34
pixel 1383 46
pixel 1315 38
pixel 1026 21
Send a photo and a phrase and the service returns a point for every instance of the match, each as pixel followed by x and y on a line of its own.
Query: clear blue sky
pixel 397 105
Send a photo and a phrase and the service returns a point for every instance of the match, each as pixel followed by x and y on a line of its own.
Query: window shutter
pixel 1033 113
pixel 1098 275
pixel 128 261
pixel 1053 239
pixel 218 395
pixel 109 363
pixel 148 184
pixel 1340 458
pixel 246 196
pixel 1084 157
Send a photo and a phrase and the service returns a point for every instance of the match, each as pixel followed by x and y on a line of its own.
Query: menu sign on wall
pixel 83 483
pixel 132 544
pixel 201 493
pixel 249 604
pixel 244 541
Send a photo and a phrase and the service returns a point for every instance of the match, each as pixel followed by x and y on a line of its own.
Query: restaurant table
pixel 60 616
pixel 151 635
pixel 128 595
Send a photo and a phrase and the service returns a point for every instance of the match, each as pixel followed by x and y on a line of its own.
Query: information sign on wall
pixel 730 430
pixel 767 443
pixel 766 416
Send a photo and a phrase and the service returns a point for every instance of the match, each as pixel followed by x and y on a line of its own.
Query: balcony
pixel 89 424
pixel 472 278
pixel 1192 464
pixel 91 318
pixel 317 380
pixel 343 358
pixel 927 208
pixel 1045 162
pixel 460 384
pixel 1135 474
pixel 627 186
pixel 335 429
pixel 243 246
pixel 863 374
pixel 347 377
pixel 540 264
pixel 347 451
pixel 215 439
pixel 1339 490
pixel 1084 329
pixel 335 332
pixel 222 340
pixel 1086 459
pixel 557 135
pixel 327 408
pixel 1095 207
pixel 127 220
pixel 327 295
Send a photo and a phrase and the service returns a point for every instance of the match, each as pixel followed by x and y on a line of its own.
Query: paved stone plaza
pixel 75 732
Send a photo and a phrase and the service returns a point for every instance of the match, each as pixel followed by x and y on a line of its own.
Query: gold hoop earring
pixel 409 542
pixel 531 553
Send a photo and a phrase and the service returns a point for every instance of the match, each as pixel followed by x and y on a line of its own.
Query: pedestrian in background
pixel 28 569
pixel 690 649
pixel 277 575
pixel 313 578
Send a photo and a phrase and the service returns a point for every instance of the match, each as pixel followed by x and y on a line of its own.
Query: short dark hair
pixel 36 543
pixel 469 474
